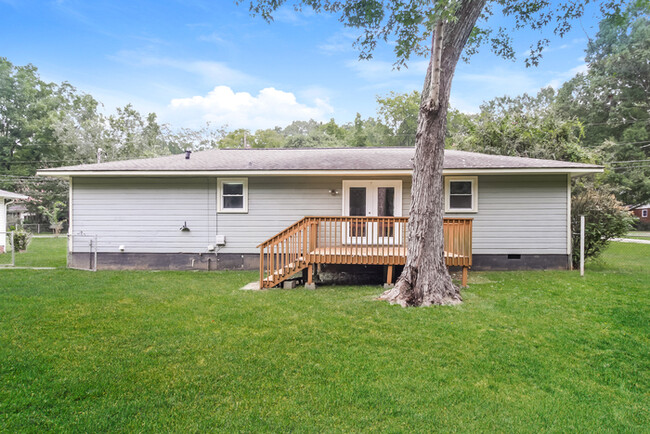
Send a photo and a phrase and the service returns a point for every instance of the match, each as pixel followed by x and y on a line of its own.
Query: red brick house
pixel 643 213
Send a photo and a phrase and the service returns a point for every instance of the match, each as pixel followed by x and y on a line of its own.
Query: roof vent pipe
pixel 187 154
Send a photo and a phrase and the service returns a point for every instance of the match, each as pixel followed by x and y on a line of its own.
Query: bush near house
pixel 605 218
pixel 22 239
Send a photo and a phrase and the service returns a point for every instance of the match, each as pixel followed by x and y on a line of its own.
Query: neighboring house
pixel 643 213
pixel 170 212
pixel 6 199
pixel 17 213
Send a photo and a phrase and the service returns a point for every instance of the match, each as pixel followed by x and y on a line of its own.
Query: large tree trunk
pixel 425 279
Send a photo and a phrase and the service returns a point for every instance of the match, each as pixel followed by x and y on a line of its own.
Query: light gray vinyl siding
pixel 277 202
pixel 525 214
pixel 144 214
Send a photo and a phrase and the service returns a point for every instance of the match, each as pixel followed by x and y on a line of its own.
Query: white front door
pixel 371 199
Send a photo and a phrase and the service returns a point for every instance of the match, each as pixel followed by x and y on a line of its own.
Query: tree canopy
pixel 600 116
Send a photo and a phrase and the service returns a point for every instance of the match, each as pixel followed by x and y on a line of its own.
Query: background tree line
pixel 601 116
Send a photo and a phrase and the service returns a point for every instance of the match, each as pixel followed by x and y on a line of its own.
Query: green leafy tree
pixel 200 139
pixel 239 138
pixel 450 26
pixel 376 133
pixel 133 136
pixel 332 129
pixel 42 192
pixel 269 138
pixel 55 215
pixel 29 108
pixel 310 134
pixel 613 100
pixel 81 131
pixel 359 136
pixel 399 111
pixel 523 126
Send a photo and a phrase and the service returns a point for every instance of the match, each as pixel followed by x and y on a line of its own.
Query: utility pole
pixel 245 141
pixel 99 155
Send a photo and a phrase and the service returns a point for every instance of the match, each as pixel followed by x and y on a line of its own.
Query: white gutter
pixel 574 171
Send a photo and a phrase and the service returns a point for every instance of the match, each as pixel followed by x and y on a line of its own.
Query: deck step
pixel 283 274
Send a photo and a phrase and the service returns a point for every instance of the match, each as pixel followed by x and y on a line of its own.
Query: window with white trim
pixel 232 195
pixel 644 213
pixel 461 194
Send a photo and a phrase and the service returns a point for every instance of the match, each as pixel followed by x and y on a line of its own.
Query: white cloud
pixel 462 105
pixel 567 75
pixel 381 76
pixel 338 43
pixel 494 82
pixel 211 72
pixel 269 108
pixel 380 70
pixel 470 89
pixel 213 38
pixel 288 15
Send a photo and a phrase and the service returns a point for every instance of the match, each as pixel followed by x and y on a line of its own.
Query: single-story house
pixel 213 209
pixel 17 213
pixel 643 213
pixel 6 198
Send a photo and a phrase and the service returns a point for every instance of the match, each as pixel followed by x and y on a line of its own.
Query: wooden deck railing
pixel 353 240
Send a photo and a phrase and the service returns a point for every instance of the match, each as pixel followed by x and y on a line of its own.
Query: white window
pixel 644 213
pixel 232 195
pixel 461 194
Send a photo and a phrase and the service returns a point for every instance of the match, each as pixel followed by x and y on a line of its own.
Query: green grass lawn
pixel 44 252
pixel 639 235
pixel 41 252
pixel 188 351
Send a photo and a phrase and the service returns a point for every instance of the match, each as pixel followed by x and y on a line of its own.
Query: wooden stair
pixel 353 240
pixel 280 275
pixel 285 253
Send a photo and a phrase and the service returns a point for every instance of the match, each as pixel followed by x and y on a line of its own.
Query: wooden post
pixel 313 228
pixel 389 275
pixel 464 282
pixel 310 274
pixel 261 267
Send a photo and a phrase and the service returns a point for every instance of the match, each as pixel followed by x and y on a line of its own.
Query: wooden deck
pixel 353 240
pixel 350 255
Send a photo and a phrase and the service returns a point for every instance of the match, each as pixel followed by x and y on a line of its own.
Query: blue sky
pixel 193 61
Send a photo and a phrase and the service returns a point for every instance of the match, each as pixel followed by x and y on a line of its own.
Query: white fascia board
pixel 402 172
pixel 574 171
pixel 13 196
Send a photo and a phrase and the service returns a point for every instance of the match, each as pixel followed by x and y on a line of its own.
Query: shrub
pixel 642 226
pixel 22 238
pixel 605 218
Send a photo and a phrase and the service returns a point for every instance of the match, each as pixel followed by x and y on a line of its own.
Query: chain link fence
pixel 627 253
pixel 7 250
pixel 44 228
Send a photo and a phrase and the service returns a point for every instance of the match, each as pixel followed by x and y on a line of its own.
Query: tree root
pixel 440 291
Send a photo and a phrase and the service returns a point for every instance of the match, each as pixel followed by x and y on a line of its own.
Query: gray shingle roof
pixel 315 159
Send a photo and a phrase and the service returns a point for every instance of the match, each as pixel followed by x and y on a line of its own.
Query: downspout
pixel 7 203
